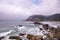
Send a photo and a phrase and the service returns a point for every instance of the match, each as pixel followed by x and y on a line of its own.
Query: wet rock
pixel 1 38
pixel 15 37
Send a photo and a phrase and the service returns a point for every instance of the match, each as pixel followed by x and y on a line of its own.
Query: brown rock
pixel 15 37
pixel 33 37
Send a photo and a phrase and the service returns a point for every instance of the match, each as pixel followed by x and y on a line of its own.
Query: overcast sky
pixel 21 9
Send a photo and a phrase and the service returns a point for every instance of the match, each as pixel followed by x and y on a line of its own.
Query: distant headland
pixel 54 17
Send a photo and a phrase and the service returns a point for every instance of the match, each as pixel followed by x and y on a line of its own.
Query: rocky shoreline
pixel 53 34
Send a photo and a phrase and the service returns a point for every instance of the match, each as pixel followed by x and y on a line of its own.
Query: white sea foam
pixel 28 30
pixel 6 33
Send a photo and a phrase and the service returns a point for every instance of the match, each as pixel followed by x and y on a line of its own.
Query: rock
pixel 1 38
pixel 15 37
pixel 34 37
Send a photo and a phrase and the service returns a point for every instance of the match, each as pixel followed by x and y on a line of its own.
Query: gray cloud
pixel 21 9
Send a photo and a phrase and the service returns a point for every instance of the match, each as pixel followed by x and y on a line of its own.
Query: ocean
pixel 6 25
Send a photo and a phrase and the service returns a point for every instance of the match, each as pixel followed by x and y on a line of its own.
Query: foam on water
pixel 6 33
pixel 27 28
pixel 24 29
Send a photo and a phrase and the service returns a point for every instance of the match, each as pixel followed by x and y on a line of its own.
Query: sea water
pixel 6 25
